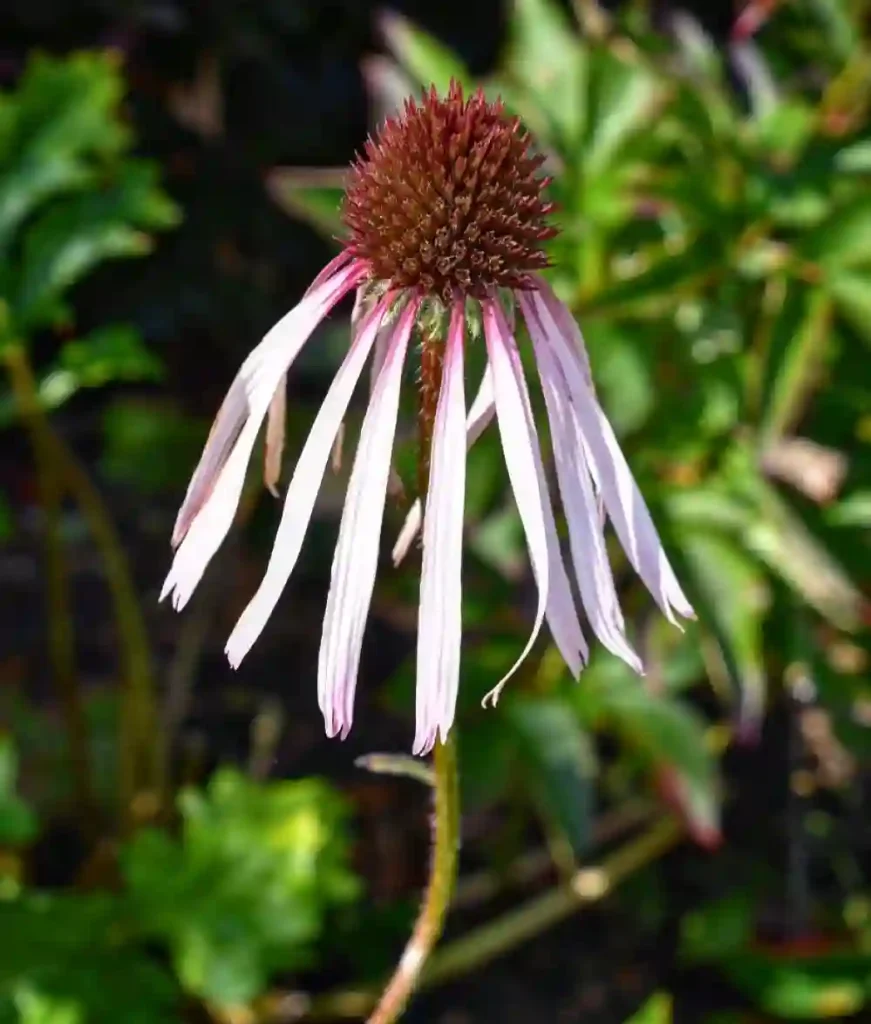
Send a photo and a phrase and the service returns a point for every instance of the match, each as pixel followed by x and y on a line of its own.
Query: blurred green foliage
pixel 245 891
pixel 716 249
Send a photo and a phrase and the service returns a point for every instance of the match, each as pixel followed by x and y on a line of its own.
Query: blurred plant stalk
pixel 141 759
pixel 61 641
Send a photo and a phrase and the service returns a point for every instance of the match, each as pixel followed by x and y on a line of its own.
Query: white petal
pixel 274 447
pixel 623 499
pixel 523 461
pixel 439 635
pixel 480 414
pixel 356 556
pixel 303 490
pixel 214 491
pixel 589 554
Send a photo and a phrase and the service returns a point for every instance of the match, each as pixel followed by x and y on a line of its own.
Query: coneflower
pixel 446 219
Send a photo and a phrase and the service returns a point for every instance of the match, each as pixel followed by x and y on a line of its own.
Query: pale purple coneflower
pixel 446 219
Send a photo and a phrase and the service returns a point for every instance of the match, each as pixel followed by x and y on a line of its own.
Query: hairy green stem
pixel 443 872
pixel 61 642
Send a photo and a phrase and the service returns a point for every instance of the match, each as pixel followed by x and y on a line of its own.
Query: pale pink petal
pixel 303 489
pixel 356 556
pixel 523 462
pixel 213 494
pixel 394 483
pixel 623 500
pixel 587 543
pixel 440 626
pixel 336 264
pixel 561 614
pixel 274 447
pixel 480 414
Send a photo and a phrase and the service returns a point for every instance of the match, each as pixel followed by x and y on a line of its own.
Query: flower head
pixel 445 209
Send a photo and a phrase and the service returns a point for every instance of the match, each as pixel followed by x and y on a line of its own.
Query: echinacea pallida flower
pixel 446 218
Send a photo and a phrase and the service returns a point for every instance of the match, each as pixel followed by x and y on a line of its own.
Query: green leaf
pixel 54 128
pixel 78 233
pixel 716 930
pixel 661 279
pixel 106 355
pixel 68 957
pixel 622 99
pixel 624 373
pixel 731 594
pixel 18 825
pixel 800 341
pixel 7 526
pixel 421 55
pixel 150 444
pixel 663 731
pixel 657 1010
pixel 558 762
pixel 844 240
pixel 549 63
pixel 782 540
pixel 796 988
pixel 852 294
pixel 314 196
pixel 246 890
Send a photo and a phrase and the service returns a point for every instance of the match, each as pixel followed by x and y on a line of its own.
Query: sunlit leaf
pixel 315 196
pixel 802 988
pixel 795 357
pixel 246 890
pixel 550 64
pixel 730 592
pixel 558 764
pixel 420 54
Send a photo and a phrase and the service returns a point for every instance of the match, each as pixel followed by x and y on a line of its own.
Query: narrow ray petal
pixel 587 543
pixel 336 264
pixel 561 614
pixel 623 499
pixel 480 414
pixel 213 494
pixel 355 560
pixel 523 462
pixel 274 447
pixel 439 634
pixel 287 336
pixel 303 489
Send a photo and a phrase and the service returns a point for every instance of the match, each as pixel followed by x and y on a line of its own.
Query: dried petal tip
pixel 447 199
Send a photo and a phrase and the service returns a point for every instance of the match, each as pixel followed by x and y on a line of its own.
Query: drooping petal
pixel 439 631
pixel 587 543
pixel 274 447
pixel 525 471
pixel 356 556
pixel 216 486
pixel 480 414
pixel 336 264
pixel 303 489
pixel 623 501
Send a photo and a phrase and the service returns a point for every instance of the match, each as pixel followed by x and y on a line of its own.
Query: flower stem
pixel 446 817
pixel 61 641
pixel 443 871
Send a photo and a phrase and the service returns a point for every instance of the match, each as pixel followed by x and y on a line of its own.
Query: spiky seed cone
pixel 446 198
